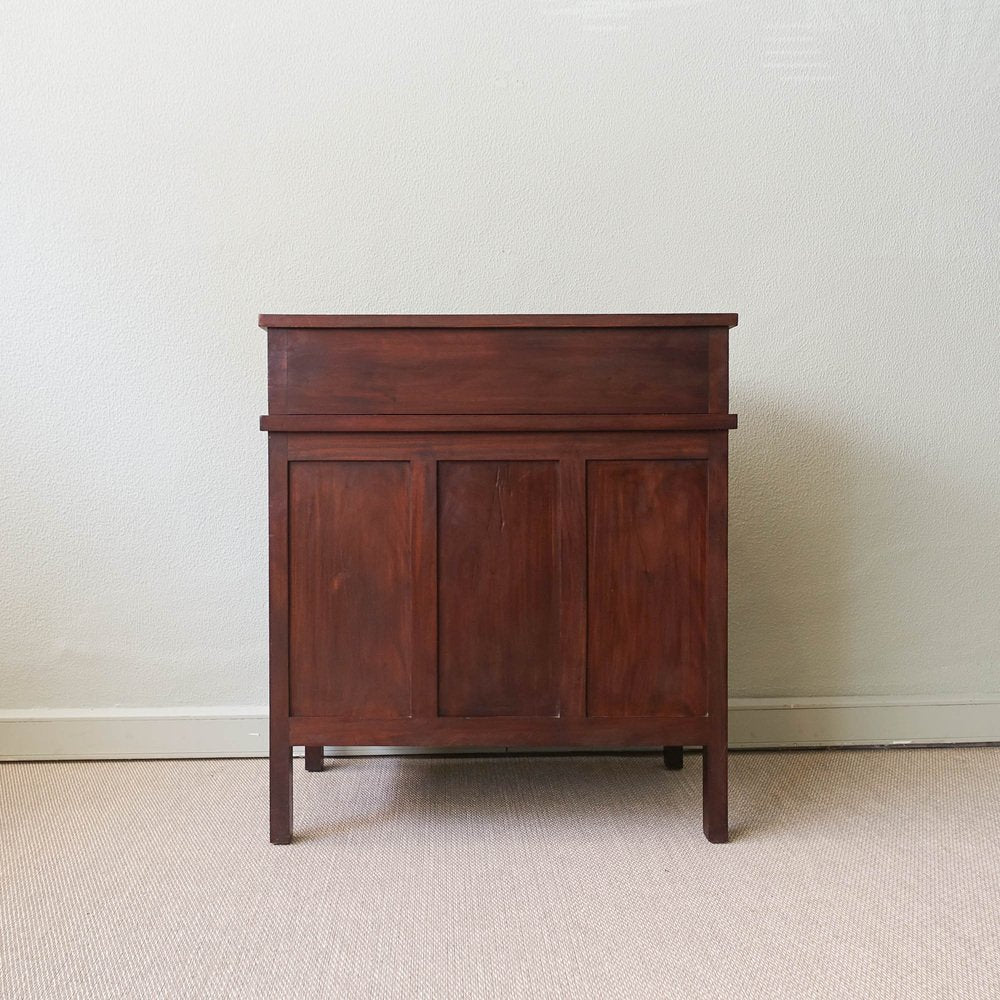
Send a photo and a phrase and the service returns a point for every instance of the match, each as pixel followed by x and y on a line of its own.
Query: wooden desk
pixel 498 531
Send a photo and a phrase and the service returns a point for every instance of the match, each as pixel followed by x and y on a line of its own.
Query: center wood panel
pixel 499 588
pixel 647 552
pixel 350 639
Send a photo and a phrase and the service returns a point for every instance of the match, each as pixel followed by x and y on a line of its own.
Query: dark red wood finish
pixel 350 585
pixel 498 589
pixel 498 531
pixel 360 422
pixel 487 321
pixel 496 371
pixel 314 758
pixel 646 566
pixel 508 730
pixel 279 726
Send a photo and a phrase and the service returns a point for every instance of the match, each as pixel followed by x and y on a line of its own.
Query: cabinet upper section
pixel 623 365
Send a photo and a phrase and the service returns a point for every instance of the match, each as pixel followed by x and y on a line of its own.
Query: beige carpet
pixel 853 874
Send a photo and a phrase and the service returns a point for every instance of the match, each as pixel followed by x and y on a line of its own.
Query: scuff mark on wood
pixel 499 491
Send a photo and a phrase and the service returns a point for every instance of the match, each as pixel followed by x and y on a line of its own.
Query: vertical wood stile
pixel 718 371
pixel 277 371
pixel 573 585
pixel 424 490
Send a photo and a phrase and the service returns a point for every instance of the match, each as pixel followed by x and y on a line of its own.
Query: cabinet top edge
pixel 489 321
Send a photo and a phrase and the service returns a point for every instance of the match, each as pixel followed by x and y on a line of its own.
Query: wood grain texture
pixel 499 531
pixel 646 588
pixel 715 779
pixel 350 555
pixel 499 447
pixel 280 762
pixel 497 371
pixel 498 589
pixel 360 423
pixel 492 321
pixel 573 565
pixel 718 372
pixel 423 490
pixel 497 731
pixel 276 381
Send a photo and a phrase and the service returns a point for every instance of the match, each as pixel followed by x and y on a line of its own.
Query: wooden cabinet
pixel 498 531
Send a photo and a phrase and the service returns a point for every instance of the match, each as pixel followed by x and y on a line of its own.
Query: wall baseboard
pixel 241 731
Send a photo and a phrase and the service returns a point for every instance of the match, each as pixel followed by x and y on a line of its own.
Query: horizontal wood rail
pixel 442 321
pixel 483 422
pixel 499 731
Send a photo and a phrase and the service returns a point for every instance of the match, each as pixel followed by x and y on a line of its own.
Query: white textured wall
pixel 169 169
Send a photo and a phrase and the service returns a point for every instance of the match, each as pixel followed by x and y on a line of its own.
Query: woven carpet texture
pixel 852 874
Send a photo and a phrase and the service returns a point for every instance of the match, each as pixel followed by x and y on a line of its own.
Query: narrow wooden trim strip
pixel 573 584
pixel 359 423
pixel 718 371
pixel 498 447
pixel 500 731
pixel 292 321
pixel 423 539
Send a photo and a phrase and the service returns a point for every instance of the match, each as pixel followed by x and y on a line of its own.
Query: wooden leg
pixel 314 758
pixel 281 794
pixel 280 768
pixel 673 758
pixel 715 793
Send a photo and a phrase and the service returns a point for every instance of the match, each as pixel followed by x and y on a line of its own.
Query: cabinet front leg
pixel 314 758
pixel 281 793
pixel 715 792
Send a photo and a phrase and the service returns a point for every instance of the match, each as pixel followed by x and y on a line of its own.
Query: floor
pixel 852 874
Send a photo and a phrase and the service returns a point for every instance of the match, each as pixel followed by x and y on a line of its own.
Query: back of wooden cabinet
pixel 562 582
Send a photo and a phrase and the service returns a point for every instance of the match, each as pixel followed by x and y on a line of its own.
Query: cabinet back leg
pixel 673 758
pixel 281 794
pixel 715 792
pixel 314 758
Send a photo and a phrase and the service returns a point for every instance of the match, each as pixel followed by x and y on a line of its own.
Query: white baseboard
pixel 863 721
pixel 133 733
pixel 241 731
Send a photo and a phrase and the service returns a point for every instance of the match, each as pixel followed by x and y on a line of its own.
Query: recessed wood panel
pixel 499 589
pixel 646 578
pixel 351 601
pixel 387 371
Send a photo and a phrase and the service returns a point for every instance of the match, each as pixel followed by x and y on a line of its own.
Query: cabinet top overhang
pixel 483 322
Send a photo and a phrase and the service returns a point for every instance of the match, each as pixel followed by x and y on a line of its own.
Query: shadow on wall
pixel 789 525
pixel 853 571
